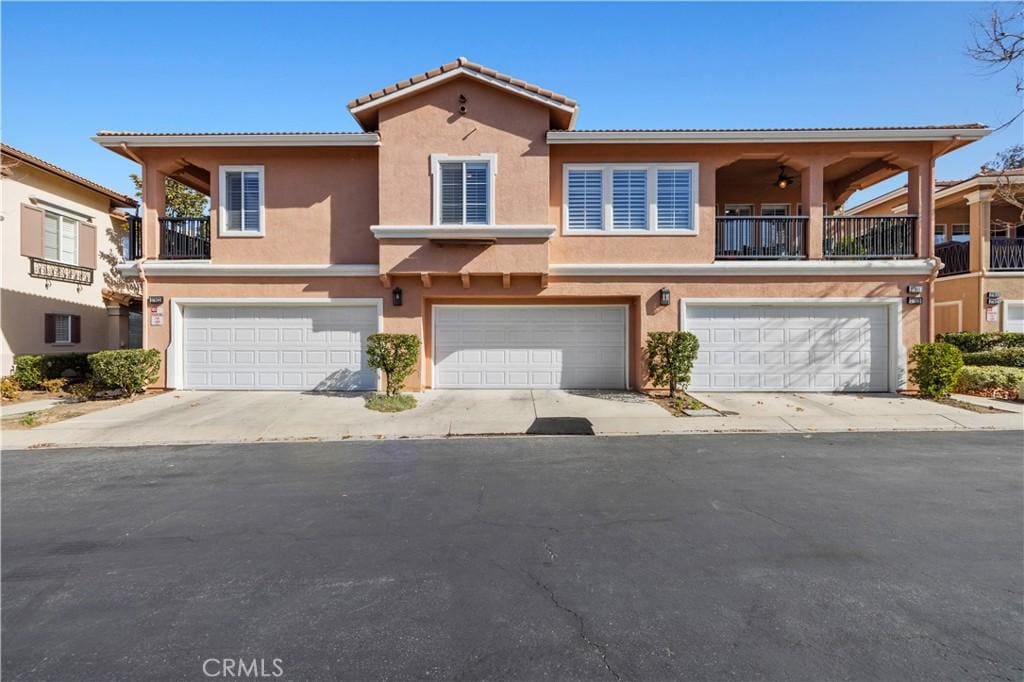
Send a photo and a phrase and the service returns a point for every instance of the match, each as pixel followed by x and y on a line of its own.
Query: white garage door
pixel 790 348
pixel 530 346
pixel 279 348
pixel 1014 320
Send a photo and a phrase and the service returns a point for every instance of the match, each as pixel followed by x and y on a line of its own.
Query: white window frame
pixel 734 207
pixel 222 209
pixel 491 159
pixel 952 231
pixel 61 217
pixel 62 342
pixel 652 229
pixel 784 205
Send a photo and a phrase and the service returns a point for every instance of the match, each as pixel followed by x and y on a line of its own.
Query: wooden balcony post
pixel 154 200
pixel 812 194
pixel 980 203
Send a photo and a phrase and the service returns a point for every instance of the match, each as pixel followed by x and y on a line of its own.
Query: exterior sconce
pixel 665 296
pixel 396 296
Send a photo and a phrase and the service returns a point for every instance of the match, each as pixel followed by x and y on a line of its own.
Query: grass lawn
pixel 381 402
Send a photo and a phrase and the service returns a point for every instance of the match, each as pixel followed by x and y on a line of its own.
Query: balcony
pixel 1006 253
pixel 760 237
pixel 132 245
pixel 869 237
pixel 185 238
pixel 956 256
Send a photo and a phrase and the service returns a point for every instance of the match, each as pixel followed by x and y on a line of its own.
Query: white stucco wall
pixel 25 300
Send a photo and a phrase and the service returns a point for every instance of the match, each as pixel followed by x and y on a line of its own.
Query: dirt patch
pixel 29 396
pixel 677 406
pixel 970 407
pixel 59 413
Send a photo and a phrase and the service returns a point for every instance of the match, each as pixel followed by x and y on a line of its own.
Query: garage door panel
pixel 769 347
pixel 1014 320
pixel 278 348
pixel 529 347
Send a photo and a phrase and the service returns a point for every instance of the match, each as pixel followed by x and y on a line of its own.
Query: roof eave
pixel 236 140
pixel 754 136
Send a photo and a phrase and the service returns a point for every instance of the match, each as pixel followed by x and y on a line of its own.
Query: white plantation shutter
pixel 465 192
pixel 629 199
pixel 251 201
pixel 242 200
pixel 233 201
pixel 675 199
pixel 585 203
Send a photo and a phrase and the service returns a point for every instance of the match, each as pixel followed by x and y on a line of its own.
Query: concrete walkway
pixel 15 409
pixel 184 417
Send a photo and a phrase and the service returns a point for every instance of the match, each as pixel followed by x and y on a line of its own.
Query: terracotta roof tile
pixel 121 199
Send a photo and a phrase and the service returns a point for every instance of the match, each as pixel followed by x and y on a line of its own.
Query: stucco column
pixel 980 204
pixel 117 326
pixel 921 202
pixel 154 198
pixel 812 195
pixel 707 199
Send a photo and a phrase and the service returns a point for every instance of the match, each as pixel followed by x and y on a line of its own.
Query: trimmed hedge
pixel 1006 382
pixel 32 370
pixel 130 370
pixel 975 342
pixel 394 354
pixel 1001 357
pixel 935 367
pixel 670 357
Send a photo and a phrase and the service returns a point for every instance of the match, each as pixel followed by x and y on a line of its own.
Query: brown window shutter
pixel 76 329
pixel 31 231
pixel 87 245
pixel 50 329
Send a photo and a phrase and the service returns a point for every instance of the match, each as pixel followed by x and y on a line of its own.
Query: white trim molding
pixel 222 212
pixel 751 136
pixel 173 268
pixel 811 268
pixel 459 232
pixel 237 139
pixel 1004 273
pixel 176 348
pixel 897 351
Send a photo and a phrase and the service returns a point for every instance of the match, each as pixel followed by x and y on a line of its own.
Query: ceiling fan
pixel 784 181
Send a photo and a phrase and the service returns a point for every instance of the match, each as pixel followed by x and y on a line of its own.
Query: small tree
pixel 670 357
pixel 180 201
pixel 394 354
pixel 935 366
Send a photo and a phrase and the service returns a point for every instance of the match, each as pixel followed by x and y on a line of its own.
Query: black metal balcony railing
pixel 760 237
pixel 956 257
pixel 185 238
pixel 864 237
pixel 1006 253
pixel 133 242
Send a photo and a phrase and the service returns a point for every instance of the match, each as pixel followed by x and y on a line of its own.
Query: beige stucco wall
pixel 25 299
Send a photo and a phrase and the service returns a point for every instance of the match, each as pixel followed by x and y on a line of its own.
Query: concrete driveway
pixel 184 417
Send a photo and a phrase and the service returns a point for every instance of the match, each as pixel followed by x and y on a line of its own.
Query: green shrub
pixel 1003 357
pixel 934 368
pixel 53 385
pixel 9 388
pixel 28 371
pixel 670 357
pixel 977 342
pixel 1006 381
pixel 394 354
pixel 130 370
pixel 82 391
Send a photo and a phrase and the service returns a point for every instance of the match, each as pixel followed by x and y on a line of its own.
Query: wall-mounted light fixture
pixel 665 296
pixel 396 296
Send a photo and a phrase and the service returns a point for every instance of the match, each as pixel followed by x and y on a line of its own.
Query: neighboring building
pixel 61 243
pixel 527 253
pixel 979 238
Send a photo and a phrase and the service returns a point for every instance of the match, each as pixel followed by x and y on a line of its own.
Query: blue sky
pixel 69 70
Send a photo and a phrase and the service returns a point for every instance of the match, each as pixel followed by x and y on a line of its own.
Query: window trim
pixel 935 233
pixel 776 204
pixel 71 334
pixel 436 159
pixel 222 209
pixel 652 229
pixel 952 234
pixel 61 216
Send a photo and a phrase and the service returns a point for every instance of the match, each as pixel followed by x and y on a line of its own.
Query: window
pixel 60 328
pixel 630 198
pixel 775 209
pixel 241 201
pixel 463 189
pixel 60 238
pixel 740 210
pixel 940 233
pixel 961 232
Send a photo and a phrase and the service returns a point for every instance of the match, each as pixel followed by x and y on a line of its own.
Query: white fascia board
pixel 461 71
pixel 462 232
pixel 208 269
pixel 258 140
pixel 751 136
pixel 823 268
pixel 129 269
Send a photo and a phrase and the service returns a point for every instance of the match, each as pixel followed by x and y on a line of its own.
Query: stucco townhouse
pixel 525 252
pixel 62 238
pixel 979 239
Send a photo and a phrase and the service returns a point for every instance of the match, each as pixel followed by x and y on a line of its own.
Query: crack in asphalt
pixel 581 628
